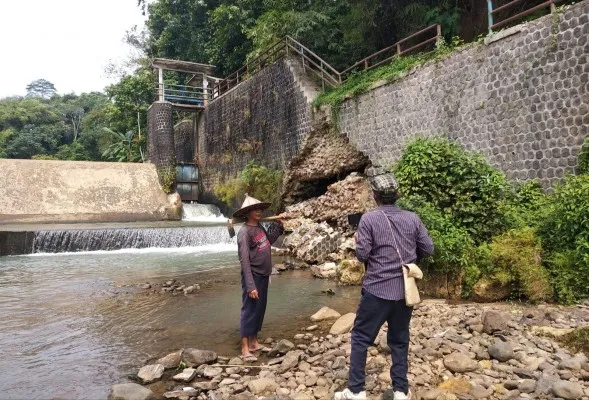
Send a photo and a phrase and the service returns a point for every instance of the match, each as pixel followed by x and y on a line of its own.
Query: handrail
pixel 314 55
pixel 492 11
pixel 365 62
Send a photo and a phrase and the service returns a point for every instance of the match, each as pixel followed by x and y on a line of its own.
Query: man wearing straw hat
pixel 254 248
pixel 387 239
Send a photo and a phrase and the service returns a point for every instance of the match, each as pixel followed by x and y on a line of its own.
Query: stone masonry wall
pixel 522 100
pixel 264 118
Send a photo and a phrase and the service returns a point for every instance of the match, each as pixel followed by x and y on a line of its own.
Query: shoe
pixel 402 396
pixel 348 395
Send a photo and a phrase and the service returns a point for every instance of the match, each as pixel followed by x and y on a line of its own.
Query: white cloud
pixel 68 42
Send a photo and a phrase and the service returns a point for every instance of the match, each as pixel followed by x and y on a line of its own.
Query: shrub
pixel 460 184
pixel 255 180
pixel 584 157
pixel 565 236
pixel 525 206
pixel 517 262
pixel 577 340
pixel 454 248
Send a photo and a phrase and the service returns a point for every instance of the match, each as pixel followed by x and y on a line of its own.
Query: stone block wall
pixel 264 118
pixel 522 100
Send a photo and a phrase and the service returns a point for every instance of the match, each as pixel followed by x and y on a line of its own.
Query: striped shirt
pixel 375 248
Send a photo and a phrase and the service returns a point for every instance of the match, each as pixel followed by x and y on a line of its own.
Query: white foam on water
pixel 208 248
pixel 202 213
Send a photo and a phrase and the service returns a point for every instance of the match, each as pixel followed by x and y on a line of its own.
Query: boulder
pixel 196 357
pixel 567 390
pixel 343 325
pixel 282 347
pixel 212 372
pixel 151 373
pixel 181 394
pixel 459 362
pixel 489 291
pixel 350 272
pixel 501 351
pixel 130 391
pixel 172 360
pixel 324 271
pixel 494 321
pixel 325 313
pixel 262 387
pixel 291 360
pixel 185 376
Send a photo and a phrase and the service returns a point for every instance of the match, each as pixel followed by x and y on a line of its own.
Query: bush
pixel 577 340
pixel 584 157
pixel 516 262
pixel 454 248
pixel 459 184
pixel 525 206
pixel 565 236
pixel 255 180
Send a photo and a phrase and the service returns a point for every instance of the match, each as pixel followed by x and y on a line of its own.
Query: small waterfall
pixel 202 213
pixel 74 240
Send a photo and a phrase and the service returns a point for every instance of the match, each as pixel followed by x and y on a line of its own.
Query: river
pixel 71 328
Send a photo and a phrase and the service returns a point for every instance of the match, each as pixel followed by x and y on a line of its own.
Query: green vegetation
pixel 584 157
pixel 533 244
pixel 257 181
pixel 577 340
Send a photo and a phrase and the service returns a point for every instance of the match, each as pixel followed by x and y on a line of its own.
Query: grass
pixel 361 82
pixel 577 341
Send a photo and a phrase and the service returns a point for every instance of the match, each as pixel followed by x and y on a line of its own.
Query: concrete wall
pixel 264 118
pixel 75 191
pixel 522 101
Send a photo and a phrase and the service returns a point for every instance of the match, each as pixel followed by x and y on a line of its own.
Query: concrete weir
pixel 43 191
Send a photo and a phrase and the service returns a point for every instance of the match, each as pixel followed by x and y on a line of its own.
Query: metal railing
pixel 183 94
pixel 493 20
pixel 385 55
pixel 285 47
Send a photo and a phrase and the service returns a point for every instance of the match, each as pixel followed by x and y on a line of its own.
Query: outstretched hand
pixel 254 294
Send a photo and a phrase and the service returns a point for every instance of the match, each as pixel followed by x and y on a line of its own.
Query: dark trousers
pixel 371 315
pixel 252 311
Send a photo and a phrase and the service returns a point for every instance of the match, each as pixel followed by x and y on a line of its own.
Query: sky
pixel 67 42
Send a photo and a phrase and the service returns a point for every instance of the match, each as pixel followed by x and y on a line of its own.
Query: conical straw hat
pixel 250 204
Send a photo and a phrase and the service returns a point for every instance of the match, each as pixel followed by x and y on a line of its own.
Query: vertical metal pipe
pixel 490 11
pixel 161 83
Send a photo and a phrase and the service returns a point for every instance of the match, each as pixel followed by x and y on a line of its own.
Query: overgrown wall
pixel 522 100
pixel 76 191
pixel 265 118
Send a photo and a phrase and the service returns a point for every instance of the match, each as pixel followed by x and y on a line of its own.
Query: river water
pixel 70 328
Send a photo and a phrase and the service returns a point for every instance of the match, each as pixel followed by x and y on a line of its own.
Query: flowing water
pixel 70 328
pixel 202 213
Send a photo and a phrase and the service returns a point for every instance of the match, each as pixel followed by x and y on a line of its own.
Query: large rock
pixel 172 360
pixel 196 357
pixel 502 351
pixel 458 362
pixel 312 242
pixel 343 325
pixel 262 387
pixel 181 394
pixel 489 291
pixel 130 391
pixel 567 390
pixel 185 376
pixel 325 271
pixel 291 360
pixel 325 313
pixel 494 321
pixel 212 372
pixel 151 373
pixel 350 272
pixel 282 347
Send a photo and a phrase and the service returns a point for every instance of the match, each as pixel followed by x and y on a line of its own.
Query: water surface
pixel 70 328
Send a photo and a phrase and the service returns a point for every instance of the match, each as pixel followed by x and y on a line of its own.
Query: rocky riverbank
pixel 458 351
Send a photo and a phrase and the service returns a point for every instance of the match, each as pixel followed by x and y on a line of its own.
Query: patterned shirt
pixel 375 247
pixel 255 252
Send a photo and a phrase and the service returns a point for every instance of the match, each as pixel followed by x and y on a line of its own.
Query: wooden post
pixel 161 83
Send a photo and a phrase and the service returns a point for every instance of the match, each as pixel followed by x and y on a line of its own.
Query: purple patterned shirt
pixel 375 248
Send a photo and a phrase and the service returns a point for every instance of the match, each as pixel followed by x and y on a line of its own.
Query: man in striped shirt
pixel 383 292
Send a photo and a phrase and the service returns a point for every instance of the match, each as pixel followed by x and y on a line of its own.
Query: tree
pixel 41 88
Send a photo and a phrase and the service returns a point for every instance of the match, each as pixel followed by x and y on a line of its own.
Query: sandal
pixel 262 349
pixel 250 358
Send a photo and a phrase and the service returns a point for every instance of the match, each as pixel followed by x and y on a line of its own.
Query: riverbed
pixel 71 326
